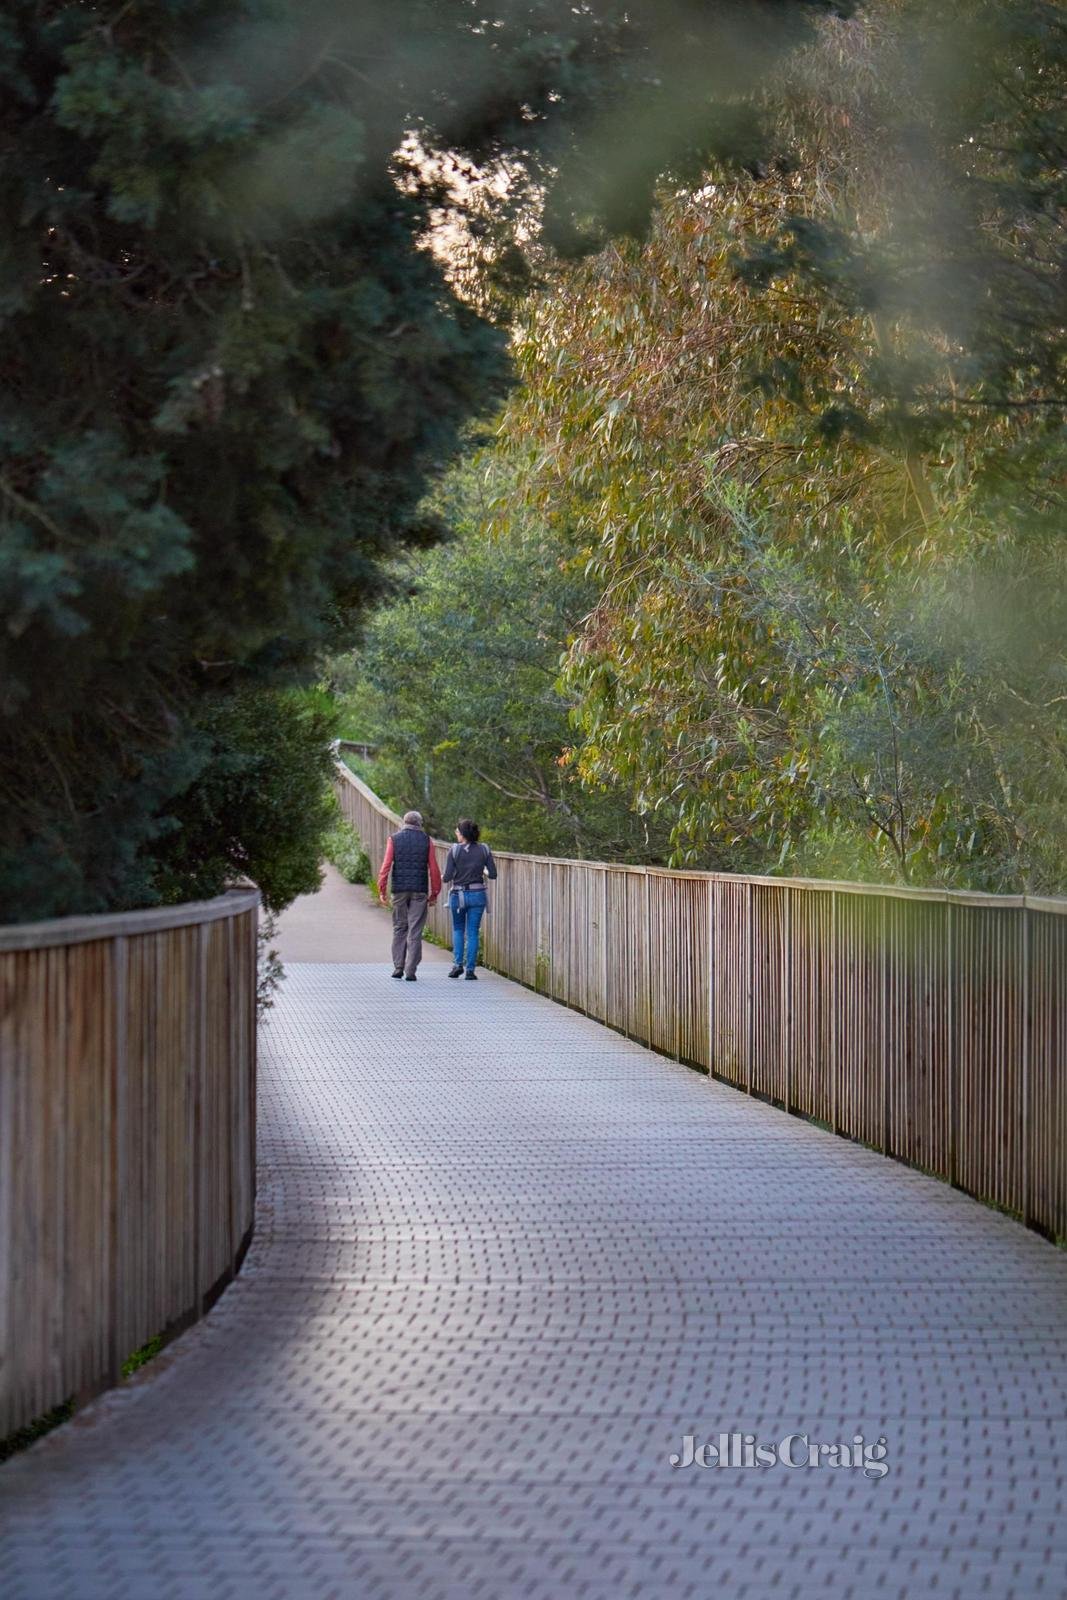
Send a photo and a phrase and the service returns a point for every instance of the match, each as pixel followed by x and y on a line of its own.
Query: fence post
pixel 678 1012
pixel 203 978
pixel 883 1020
pixel 648 958
pixel 539 982
pixel 1025 1118
pixel 750 997
pixel 952 1062
pixel 120 967
pixel 604 944
pixel 786 1028
pixel 834 1052
pixel 550 977
pixel 711 976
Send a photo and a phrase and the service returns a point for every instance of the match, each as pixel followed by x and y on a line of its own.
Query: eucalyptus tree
pixel 455 681
pixel 799 474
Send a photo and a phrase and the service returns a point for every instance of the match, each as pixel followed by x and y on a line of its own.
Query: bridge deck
pixel 505 1260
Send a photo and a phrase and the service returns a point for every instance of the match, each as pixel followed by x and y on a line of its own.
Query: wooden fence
pixel 127 1136
pixel 929 1024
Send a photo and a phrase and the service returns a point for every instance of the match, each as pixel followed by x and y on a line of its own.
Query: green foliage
pixel 828 632
pixel 270 971
pixel 22 1438
pixel 261 803
pixel 342 846
pixel 231 367
pixel 945 228
pixel 142 1356
pixel 455 681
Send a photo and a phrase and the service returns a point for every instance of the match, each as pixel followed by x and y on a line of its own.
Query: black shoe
pixel 472 976
pixel 456 972
pixel 409 977
pixel 399 973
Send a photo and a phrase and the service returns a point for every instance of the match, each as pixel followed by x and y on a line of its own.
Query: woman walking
pixel 468 865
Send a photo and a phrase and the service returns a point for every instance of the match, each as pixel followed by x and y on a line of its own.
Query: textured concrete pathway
pixel 505 1261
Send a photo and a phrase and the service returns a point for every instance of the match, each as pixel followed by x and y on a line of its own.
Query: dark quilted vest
pixel 411 853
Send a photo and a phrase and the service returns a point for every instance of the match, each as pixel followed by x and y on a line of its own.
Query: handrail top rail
pixel 894 891
pixel 115 924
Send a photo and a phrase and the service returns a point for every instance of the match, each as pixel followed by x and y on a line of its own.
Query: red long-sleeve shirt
pixel 387 867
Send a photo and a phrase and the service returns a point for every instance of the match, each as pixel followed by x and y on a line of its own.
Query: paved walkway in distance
pixel 505 1260
pixel 340 923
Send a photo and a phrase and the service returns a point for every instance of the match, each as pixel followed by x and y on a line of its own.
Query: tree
pixel 455 683
pixel 793 658
pixel 944 234
pixel 231 367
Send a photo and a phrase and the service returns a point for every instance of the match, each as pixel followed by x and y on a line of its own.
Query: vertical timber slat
pixel 928 1022
pixel 102 1036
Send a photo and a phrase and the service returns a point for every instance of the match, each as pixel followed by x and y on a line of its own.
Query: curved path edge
pixel 506 1263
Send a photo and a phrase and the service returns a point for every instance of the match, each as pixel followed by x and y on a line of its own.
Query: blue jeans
pixel 465 925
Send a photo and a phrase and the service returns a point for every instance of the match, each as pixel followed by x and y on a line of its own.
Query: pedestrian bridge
pixel 507 1264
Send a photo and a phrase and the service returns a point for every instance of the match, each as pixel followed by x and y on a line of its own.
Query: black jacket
pixel 411 858
pixel 466 863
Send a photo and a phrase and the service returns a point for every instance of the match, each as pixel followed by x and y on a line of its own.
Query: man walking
pixel 416 882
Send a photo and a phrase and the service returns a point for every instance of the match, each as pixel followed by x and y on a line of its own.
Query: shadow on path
pixel 505 1261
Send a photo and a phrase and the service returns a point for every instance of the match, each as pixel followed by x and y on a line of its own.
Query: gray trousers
pixel 409 919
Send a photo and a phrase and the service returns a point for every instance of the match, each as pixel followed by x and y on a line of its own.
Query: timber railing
pixel 931 1025
pixel 127 1137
